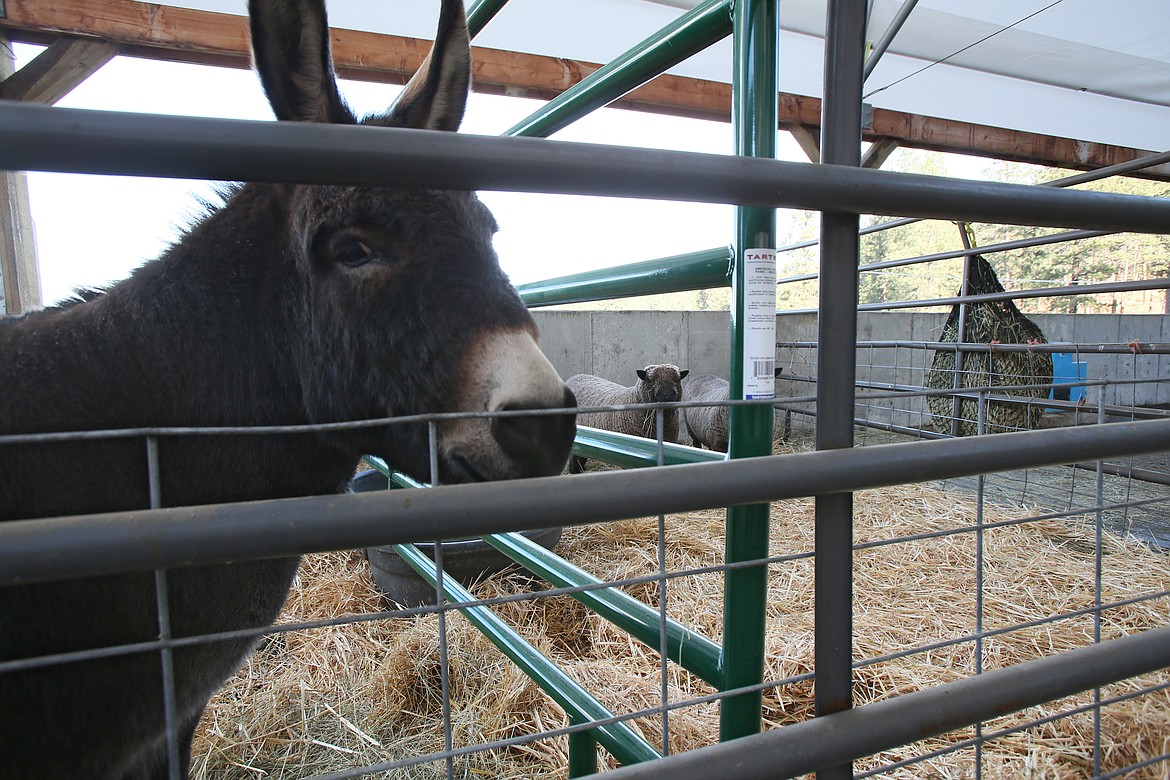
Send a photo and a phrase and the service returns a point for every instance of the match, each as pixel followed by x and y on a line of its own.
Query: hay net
pixel 988 322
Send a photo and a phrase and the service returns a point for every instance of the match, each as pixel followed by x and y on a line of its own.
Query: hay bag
pixel 989 322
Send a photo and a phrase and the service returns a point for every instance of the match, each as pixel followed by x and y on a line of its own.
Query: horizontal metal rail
pixel 625 744
pixel 998 393
pixel 1126 472
pixel 690 650
pixel 269 430
pixel 1118 169
pixel 700 270
pixel 34 137
pixel 1003 394
pixel 257 632
pixel 988 736
pixel 621 449
pixel 693 651
pixel 1078 348
pixel 1103 288
pixel 703 25
pixel 829 740
pixel 1004 246
pixel 679 273
pixel 88 545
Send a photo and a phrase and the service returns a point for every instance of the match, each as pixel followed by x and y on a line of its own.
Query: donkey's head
pixel 401 302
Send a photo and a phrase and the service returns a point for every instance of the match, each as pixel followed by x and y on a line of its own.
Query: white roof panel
pixel 1081 69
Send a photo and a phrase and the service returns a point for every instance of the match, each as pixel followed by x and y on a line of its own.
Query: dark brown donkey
pixel 289 304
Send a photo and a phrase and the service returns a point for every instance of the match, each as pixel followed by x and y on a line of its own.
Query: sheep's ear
pixel 436 96
pixel 642 374
pixel 683 374
pixel 290 48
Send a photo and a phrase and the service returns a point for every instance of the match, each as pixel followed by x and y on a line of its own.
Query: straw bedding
pixel 316 701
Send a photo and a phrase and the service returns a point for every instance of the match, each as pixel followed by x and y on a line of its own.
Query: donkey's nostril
pixel 538 444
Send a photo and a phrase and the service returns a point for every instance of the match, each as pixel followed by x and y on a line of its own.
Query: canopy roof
pixel 1086 70
pixel 1082 69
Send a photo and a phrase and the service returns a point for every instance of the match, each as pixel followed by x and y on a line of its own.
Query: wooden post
pixel 18 254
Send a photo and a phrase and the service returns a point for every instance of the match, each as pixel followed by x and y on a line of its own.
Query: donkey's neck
pixel 188 341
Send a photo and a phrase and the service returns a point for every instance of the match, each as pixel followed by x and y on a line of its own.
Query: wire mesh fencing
pixel 953 578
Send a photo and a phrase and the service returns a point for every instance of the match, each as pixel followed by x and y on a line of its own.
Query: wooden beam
pixel 165 32
pixel 127 22
pixel 57 70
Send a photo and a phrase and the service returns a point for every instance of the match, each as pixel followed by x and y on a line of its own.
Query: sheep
pixel 706 425
pixel 656 384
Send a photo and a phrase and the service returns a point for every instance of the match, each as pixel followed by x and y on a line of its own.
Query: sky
pixel 94 230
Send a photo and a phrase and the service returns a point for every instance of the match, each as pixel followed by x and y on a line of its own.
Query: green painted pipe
pixel 754 117
pixel 618 738
pixel 620 449
pixel 692 651
pixel 582 753
pixel 481 13
pixel 397 478
pixel 679 273
pixel 689 34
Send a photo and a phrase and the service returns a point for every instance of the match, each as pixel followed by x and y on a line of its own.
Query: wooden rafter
pixel 166 32
pixel 878 152
pixel 57 70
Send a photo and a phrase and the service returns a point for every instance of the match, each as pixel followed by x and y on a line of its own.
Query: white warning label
pixel 759 327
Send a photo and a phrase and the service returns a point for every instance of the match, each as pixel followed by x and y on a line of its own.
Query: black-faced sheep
pixel 656 384
pixel 706 425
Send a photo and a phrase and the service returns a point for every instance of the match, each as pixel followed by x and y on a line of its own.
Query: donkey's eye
pixel 353 252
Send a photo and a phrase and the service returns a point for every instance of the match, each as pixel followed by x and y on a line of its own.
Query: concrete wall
pixel 614 344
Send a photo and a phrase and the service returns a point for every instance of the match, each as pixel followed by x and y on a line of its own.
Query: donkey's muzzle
pixel 538 443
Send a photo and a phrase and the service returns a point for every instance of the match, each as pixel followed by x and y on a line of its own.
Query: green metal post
pixel 690 33
pixel 582 753
pixel 754 116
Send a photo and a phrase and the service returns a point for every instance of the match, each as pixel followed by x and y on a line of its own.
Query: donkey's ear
pixel 436 96
pixel 290 46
